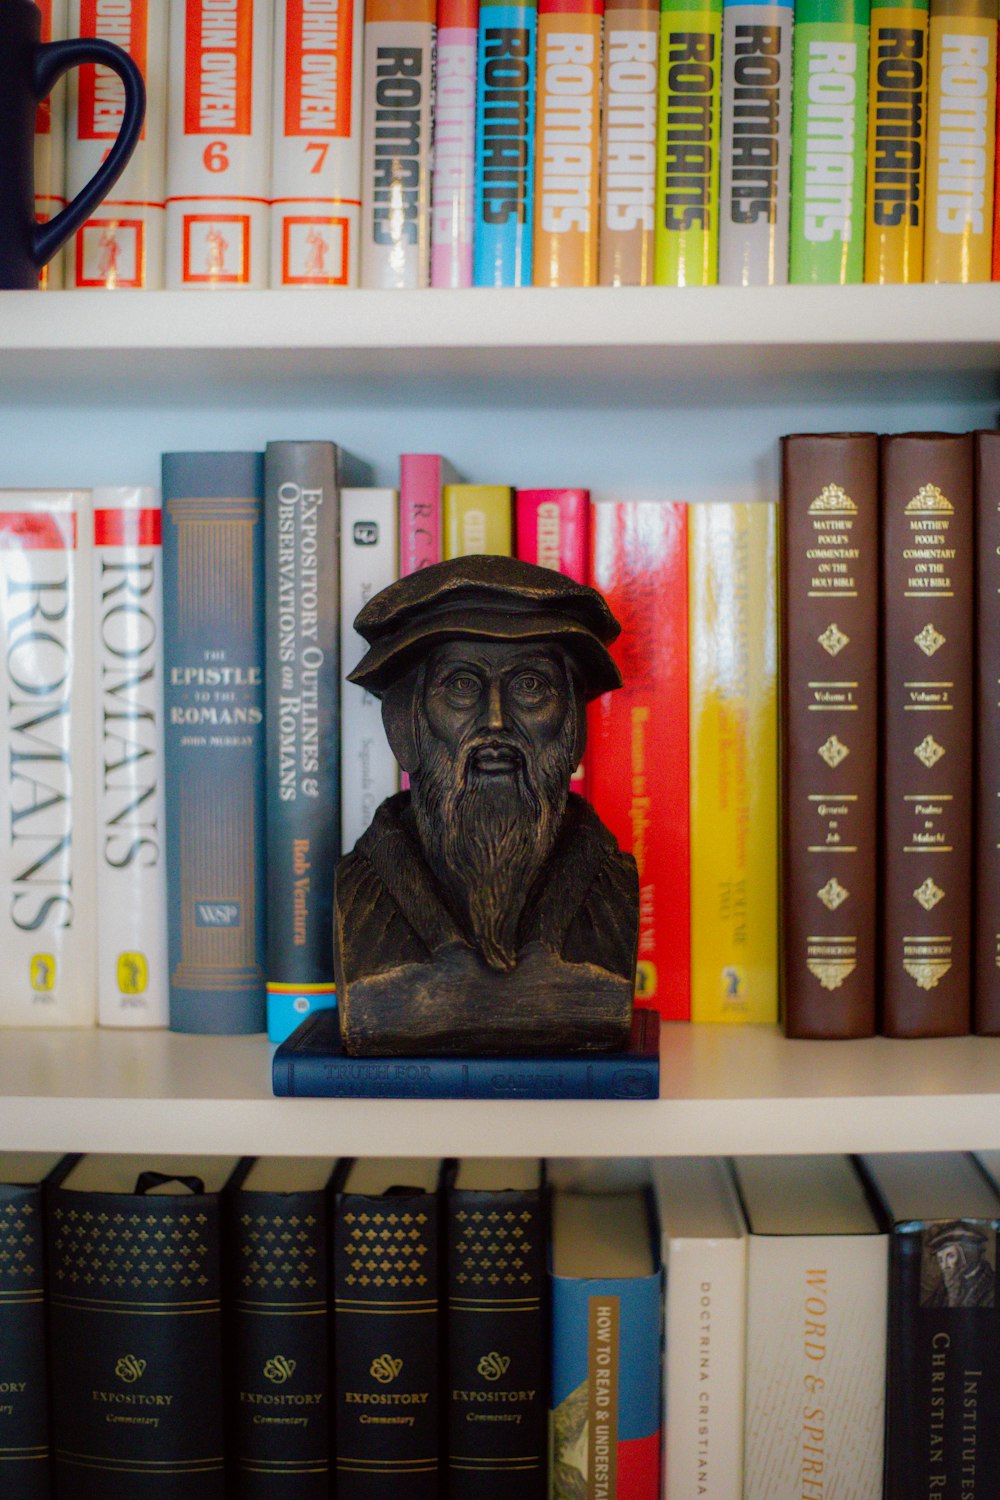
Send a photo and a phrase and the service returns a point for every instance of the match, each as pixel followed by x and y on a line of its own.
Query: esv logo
pixel 130 1369
pixel 279 1369
pixel 385 1368
pixel 365 533
pixel 493 1365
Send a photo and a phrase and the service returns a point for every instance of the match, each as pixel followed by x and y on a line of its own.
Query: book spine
pixel 453 181
pixel 369 562
pixel 334 1076
pixel 505 144
pixel 734 762
pixel 397 136
pixel 638 736
pixel 567 143
pixel 122 243
pixel 387 1351
pixel 986 959
pixel 628 144
pixel 816 1308
pixel 687 150
pixel 50 145
pixel 213 629
pixel 316 154
pixel 137 1335
pixel 755 190
pixel 24 1407
pixel 219 144
pixel 606 1387
pixel 421 541
pixel 478 518
pixel 961 140
pixel 829 113
pixel 704 1339
pixel 279 1344
pixel 897 143
pixel 497 1338
pixel 302 722
pixel 132 987
pixel 927 587
pixel 828 710
pixel 943 1377
pixel 46 798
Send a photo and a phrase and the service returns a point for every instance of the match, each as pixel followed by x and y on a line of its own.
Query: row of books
pixel 232 762
pixel 761 1329
pixel 891 728
pixel 413 143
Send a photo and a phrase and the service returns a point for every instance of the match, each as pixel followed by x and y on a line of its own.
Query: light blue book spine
pixel 505 145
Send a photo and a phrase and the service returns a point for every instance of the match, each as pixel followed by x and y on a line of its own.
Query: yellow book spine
pixel 897 139
pixel 732 567
pixel 478 518
pixel 961 123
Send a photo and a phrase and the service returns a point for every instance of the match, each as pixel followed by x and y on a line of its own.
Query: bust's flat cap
pixel 485 598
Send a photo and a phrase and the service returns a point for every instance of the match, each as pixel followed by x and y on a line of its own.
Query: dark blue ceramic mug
pixel 28 70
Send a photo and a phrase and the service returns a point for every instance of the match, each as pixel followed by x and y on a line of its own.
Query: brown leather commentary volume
pixel 927 511
pixel 829 737
pixel 986 947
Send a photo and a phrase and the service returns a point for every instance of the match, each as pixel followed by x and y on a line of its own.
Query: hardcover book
pixel 24 1406
pixel 122 243
pixel 46 790
pixel 505 144
pixel 829 569
pixel 897 142
pixel 732 581
pixel 50 144
pixel 422 477
pixel 387 1361
pixel 567 143
pixel 133 1250
pixel 316 158
pixel 478 518
pixel 638 736
pixel 312 1062
pixel 453 181
pixel 279 1334
pixel 927 587
pixel 132 976
pixel 213 617
pixel 961 140
pixel 986 849
pixel 817 1268
pixel 943 1427
pixel 606 1290
pixel 219 144
pixel 704 1249
pixel 496 1330
pixel 628 145
pixel 687 150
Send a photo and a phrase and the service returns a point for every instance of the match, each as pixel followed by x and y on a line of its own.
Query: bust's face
pixel 505 694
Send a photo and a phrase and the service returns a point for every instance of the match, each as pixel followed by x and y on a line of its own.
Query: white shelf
pixel 725 1090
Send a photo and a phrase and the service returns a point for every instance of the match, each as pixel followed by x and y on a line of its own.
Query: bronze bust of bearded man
pixel 487 911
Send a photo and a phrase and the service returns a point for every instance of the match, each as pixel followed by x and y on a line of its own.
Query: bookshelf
pixel 652 393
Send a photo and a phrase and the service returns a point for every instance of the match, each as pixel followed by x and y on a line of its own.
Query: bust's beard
pixel 487 837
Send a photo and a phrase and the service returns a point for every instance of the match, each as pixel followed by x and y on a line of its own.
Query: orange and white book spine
pixel 568 143
pixel 961 140
pixel 397 135
pixel 219 143
pixel 122 244
pixel 316 166
pixel 50 145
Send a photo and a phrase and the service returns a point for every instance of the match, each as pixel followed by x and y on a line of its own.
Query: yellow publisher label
pixel 42 973
pixel 734 762
pixel 961 108
pixel 897 138
pixel 133 973
pixel 478 518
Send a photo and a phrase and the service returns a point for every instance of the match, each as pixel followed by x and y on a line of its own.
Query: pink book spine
pixel 454 176
pixel 420 535
pixel 553 530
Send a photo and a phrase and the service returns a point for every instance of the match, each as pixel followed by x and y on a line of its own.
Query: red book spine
pixel 639 734
pixel 986 827
pixel 420 532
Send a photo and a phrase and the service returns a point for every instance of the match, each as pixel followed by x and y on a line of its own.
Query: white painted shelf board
pixel 725 1090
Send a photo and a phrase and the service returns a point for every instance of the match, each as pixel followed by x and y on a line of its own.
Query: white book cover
pixel 219 143
pixel 316 164
pixel 47 977
pixel 817 1308
pixel 50 144
pixel 132 987
pixel 397 136
pixel 704 1260
pixel 122 245
pixel 369 561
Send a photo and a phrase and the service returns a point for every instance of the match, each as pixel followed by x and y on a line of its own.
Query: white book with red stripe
pixel 219 144
pixel 47 973
pixel 50 144
pixel 132 988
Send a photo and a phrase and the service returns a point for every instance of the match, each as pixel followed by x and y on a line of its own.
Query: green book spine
pixel 829 117
pixel 687 152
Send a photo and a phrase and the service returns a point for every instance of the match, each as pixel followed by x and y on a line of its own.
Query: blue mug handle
pixel 52 60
